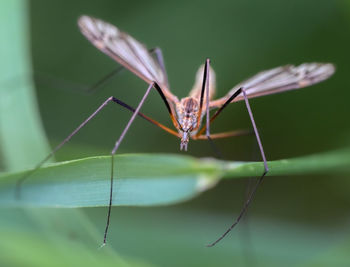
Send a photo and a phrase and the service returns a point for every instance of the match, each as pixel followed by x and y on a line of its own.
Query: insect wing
pixel 197 87
pixel 125 50
pixel 280 79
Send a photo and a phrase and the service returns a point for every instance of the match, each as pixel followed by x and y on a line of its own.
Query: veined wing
pixel 280 79
pixel 125 50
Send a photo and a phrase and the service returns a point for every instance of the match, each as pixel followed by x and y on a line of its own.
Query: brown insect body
pixel 188 111
pixel 187 114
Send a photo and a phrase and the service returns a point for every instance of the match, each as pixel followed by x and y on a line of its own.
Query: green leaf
pixel 139 180
pixel 146 179
pixel 21 131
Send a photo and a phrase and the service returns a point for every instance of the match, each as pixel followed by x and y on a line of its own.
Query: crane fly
pixel 187 113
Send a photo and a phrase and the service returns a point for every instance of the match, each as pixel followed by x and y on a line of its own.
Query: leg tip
pixel 103 245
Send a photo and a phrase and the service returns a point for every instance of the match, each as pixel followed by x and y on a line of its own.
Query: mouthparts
pixel 183 145
pixel 184 141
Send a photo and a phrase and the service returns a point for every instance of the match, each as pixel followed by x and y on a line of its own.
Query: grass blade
pixel 146 179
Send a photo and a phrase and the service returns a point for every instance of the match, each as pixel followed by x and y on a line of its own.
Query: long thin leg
pixel 159 54
pixel 160 60
pixel 170 110
pixel 256 132
pixel 266 169
pixel 92 89
pixel 207 133
pixel 204 83
pixel 216 114
pixel 205 90
pixel 22 179
pixel 146 117
pixel 116 146
pixel 223 135
pixel 59 83
pixel 115 100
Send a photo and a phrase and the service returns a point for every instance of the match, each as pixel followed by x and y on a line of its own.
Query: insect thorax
pixel 187 113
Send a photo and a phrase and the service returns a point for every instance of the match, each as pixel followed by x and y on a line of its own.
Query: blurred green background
pixel 293 220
